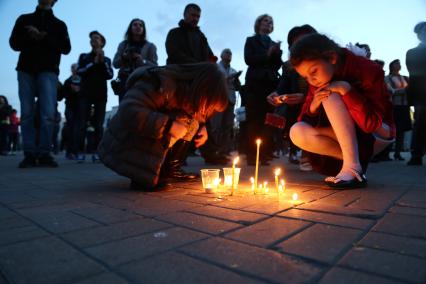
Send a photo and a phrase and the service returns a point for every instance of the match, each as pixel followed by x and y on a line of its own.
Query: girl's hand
pixel 178 130
pixel 319 96
pixel 340 87
pixel 201 137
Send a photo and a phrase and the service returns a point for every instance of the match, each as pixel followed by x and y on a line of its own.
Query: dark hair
pixel 99 34
pixel 312 47
pixel 198 86
pixel 297 32
pixel 260 19
pixel 419 27
pixel 192 6
pixel 5 99
pixel 128 35
pixel 393 62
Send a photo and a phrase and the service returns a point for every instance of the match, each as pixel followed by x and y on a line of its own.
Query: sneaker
pixel 28 162
pixel 95 158
pixel 47 161
pixel 81 158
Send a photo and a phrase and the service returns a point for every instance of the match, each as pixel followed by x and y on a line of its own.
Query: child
pixel 347 115
pixel 162 105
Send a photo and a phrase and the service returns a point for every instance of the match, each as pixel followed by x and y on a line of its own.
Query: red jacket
pixel 368 101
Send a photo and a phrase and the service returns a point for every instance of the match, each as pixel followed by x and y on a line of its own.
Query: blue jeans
pixel 44 86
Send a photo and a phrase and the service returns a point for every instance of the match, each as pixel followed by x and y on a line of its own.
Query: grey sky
pixel 386 25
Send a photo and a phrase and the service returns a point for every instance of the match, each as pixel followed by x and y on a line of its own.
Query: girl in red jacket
pixel 347 115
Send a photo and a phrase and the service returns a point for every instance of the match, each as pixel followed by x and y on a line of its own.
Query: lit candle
pixel 265 187
pixel 233 174
pixel 252 183
pixel 277 173
pixel 256 174
pixel 283 184
pixel 295 196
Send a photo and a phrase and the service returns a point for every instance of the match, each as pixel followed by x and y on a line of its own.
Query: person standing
pixel 15 121
pixel 133 52
pixel 416 92
pixel 70 92
pixel 186 44
pixel 95 69
pixel 40 38
pixel 263 57
pixel 397 85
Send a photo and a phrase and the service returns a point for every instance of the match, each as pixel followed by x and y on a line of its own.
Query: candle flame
pixel 265 183
pixel 252 179
pixel 266 190
pixel 277 171
pixel 236 160
pixel 295 196
pixel 258 141
pixel 283 182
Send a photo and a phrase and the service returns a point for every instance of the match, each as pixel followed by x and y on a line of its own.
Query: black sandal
pixel 359 181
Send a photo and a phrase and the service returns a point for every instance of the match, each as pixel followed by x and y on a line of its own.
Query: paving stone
pixel 159 206
pixel 105 278
pixel 413 198
pixel 5 213
pixel 372 204
pixel 270 208
pixel 339 210
pixel 268 232
pixel 61 222
pixel 402 267
pixel 339 275
pixel 344 221
pixel 99 235
pixel 340 198
pixel 253 261
pixel 228 214
pixel 46 260
pixel 403 225
pixel 105 215
pixel 178 268
pixel 238 202
pixel 14 222
pixel 200 223
pixel 20 234
pixel 13 196
pixel 323 243
pixel 408 210
pixel 401 245
pixel 202 198
pixel 123 251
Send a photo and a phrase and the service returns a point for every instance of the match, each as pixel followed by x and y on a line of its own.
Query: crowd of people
pixel 332 104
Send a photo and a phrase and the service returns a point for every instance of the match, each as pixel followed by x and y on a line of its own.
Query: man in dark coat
pixel 416 92
pixel 187 44
pixel 40 38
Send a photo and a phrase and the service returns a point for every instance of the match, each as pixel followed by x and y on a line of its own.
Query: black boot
pixel 174 161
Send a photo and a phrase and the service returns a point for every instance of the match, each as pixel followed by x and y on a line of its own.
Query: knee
pixel 298 134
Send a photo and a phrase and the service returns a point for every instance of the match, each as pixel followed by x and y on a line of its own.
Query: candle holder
pixel 227 175
pixel 210 179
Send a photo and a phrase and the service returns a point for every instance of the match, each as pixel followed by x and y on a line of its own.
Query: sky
pixel 386 25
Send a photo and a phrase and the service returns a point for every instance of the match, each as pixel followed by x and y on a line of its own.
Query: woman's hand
pixel 201 137
pixel 274 99
pixel 292 99
pixel 178 130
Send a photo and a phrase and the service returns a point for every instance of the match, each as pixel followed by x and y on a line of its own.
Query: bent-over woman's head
pixel 199 88
pixel 315 56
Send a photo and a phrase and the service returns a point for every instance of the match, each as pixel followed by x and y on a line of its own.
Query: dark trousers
pixel 71 117
pixel 4 144
pixel 418 140
pixel 96 120
pixel 13 141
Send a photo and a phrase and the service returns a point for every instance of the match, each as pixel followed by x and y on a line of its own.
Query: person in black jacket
pixel 263 57
pixel 40 38
pixel 95 69
pixel 187 44
pixel 5 112
pixel 70 92
pixel 416 92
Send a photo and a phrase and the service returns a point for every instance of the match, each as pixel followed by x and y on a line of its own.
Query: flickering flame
pixel 258 141
pixel 252 180
pixel 295 196
pixel 236 160
pixel 277 171
pixel 283 183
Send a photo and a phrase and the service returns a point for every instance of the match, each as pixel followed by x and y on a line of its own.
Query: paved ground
pixel 81 224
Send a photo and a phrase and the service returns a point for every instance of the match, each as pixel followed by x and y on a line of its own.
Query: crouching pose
pixel 162 105
pixel 347 115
